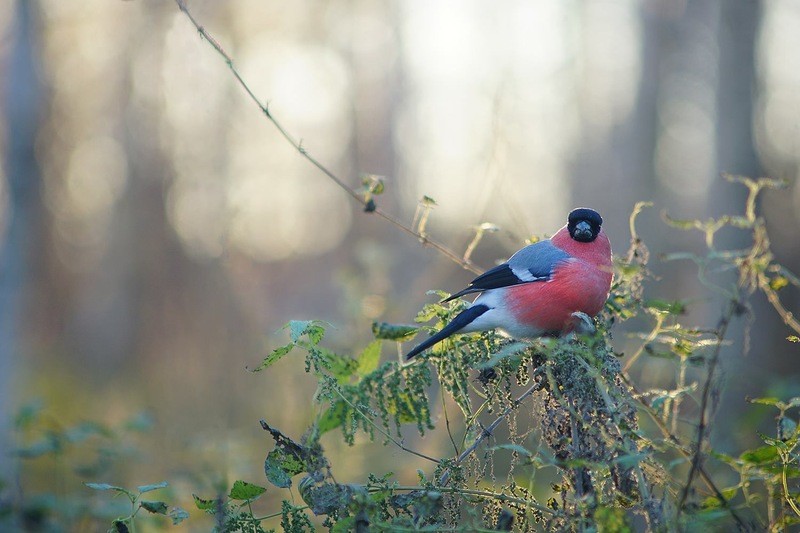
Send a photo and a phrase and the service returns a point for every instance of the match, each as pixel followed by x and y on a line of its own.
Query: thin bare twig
pixel 369 205
pixel 702 425
pixel 701 471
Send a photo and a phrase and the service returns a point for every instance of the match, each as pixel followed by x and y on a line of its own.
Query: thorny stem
pixel 368 206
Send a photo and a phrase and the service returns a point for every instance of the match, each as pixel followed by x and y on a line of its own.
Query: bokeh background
pixel 156 230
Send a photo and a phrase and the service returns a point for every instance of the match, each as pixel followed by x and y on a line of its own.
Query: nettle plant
pixel 565 405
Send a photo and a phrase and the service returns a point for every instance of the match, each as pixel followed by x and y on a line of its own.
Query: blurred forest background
pixel 156 230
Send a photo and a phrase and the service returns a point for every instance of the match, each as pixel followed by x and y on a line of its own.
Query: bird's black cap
pixel 584 224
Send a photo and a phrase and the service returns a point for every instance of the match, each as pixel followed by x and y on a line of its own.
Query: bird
pixel 550 287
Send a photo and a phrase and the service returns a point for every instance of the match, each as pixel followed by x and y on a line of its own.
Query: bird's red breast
pixel 579 284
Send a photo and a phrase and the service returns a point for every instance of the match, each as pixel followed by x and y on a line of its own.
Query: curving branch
pixel 368 204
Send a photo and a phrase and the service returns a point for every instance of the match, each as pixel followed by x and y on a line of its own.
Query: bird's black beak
pixel 583 232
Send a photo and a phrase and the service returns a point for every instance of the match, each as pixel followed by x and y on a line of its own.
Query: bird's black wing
pixel 535 262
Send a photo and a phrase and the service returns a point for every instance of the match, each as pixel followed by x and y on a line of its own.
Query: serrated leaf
pixel 368 359
pixel 312 328
pixel 394 332
pixel 401 407
pixel 153 486
pixel 281 466
pixel 205 505
pixel 273 357
pixel 340 366
pixel 154 507
pixel 332 418
pixel 178 515
pixel 242 490
pixel 290 458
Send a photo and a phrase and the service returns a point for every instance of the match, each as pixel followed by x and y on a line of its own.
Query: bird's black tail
pixel 460 321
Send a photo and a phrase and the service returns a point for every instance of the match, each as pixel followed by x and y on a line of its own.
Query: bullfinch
pixel 542 288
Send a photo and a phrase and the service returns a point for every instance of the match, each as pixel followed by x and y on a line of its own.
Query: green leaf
pixel 611 520
pixel 178 515
pixel 630 460
pixel 509 351
pixel 106 486
pixel 28 414
pixel 394 332
pixel 280 467
pixel 778 282
pixel 120 526
pixel 793 338
pixel 368 359
pixel 84 430
pixel 766 401
pixel 514 448
pixel 341 367
pixel 154 486
pixel 401 407
pixel 372 184
pixel 243 490
pixel 712 501
pixel 327 498
pixel 141 421
pixel 333 417
pixel 312 328
pixel 290 458
pixel 154 507
pixel 761 455
pixel 274 356
pixel 674 307
pixel 49 444
pixel 205 505
pixel 786 428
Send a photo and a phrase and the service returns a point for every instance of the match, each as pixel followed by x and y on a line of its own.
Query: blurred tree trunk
pixel 22 90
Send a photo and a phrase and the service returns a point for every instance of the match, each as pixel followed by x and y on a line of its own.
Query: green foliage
pixel 517 414
pixel 126 522
pixel 611 470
